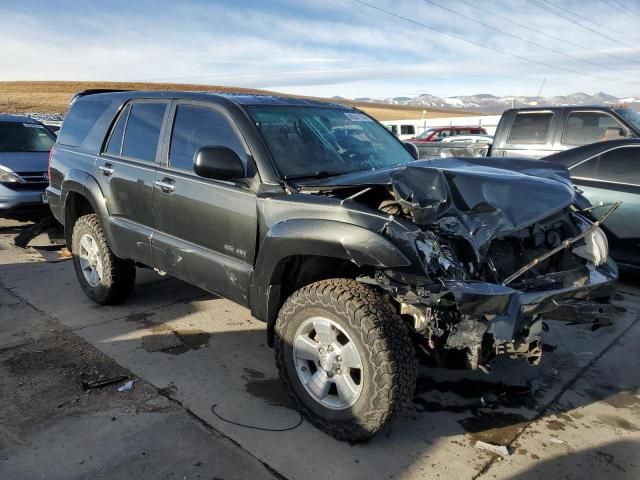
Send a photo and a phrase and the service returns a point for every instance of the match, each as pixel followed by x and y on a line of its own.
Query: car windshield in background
pixel 25 137
pixel 630 116
pixel 426 133
pixel 314 141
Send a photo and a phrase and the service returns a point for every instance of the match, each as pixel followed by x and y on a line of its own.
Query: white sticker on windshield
pixel 357 117
pixel 32 125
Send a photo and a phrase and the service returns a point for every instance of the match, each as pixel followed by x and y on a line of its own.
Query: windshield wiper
pixel 318 174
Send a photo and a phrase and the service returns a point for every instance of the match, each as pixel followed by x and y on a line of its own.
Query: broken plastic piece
pixel 490 447
pixel 125 387
pixel 102 383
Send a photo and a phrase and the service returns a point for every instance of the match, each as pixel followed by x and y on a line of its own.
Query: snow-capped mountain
pixel 490 103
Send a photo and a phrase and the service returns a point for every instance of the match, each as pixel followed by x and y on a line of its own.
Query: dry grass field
pixel 53 97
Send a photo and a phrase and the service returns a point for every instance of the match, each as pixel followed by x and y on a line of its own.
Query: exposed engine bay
pixel 500 251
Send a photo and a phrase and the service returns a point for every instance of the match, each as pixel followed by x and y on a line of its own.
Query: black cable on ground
pixel 253 427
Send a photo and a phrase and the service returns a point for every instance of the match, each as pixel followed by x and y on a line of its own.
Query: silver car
pixel 24 152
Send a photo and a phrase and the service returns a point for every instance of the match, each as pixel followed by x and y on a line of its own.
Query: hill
pixel 486 103
pixel 53 97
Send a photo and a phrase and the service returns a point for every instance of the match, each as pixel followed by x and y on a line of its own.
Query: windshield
pixel 25 137
pixel 426 133
pixel 318 141
pixel 630 116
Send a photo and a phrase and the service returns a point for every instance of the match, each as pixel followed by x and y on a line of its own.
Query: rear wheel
pixel 346 356
pixel 104 278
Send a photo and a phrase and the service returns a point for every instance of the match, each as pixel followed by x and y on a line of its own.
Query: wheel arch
pixel 296 253
pixel 82 195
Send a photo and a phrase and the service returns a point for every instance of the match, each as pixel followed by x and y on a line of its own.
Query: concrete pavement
pixel 569 416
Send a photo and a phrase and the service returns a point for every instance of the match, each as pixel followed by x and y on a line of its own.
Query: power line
pixel 620 6
pixel 518 37
pixel 599 25
pixel 562 15
pixel 476 43
pixel 540 32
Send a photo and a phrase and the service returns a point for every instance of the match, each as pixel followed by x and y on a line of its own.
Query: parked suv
pixel 24 149
pixel 323 224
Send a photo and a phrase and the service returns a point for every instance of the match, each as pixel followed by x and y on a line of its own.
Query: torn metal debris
pixel 496 256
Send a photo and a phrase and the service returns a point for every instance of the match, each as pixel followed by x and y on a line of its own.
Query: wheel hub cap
pixel 90 261
pixel 328 363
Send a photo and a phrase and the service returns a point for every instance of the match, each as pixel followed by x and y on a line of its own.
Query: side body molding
pixel 325 238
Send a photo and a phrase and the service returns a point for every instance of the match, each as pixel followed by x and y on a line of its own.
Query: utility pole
pixel 541 85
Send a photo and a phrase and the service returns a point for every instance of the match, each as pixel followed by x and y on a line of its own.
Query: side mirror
pixel 413 149
pixel 219 163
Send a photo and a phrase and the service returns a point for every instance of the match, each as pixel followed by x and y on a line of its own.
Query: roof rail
pixel 94 91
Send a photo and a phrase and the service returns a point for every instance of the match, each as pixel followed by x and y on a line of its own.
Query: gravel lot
pixel 214 408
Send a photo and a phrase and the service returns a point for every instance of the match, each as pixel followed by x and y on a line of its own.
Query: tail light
pixel 49 165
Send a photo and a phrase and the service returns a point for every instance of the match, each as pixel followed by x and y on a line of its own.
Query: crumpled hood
pixel 478 199
pixel 25 161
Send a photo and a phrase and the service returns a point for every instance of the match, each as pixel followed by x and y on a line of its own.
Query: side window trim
pixel 129 104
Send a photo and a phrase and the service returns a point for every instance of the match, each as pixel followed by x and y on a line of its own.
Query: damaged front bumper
pixel 497 319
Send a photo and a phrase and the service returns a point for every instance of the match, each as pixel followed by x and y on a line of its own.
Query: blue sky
pixel 326 47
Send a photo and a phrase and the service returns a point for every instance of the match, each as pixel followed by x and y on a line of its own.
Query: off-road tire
pixel 384 343
pixel 119 275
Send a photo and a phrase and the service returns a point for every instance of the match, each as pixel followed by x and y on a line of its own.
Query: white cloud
pixel 331 48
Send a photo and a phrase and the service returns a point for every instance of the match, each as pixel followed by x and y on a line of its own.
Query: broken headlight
pixel 595 248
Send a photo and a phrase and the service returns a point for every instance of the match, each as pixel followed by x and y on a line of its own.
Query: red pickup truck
pixel 436 134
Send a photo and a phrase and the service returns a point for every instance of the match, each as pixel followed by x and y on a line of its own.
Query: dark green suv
pixel 324 225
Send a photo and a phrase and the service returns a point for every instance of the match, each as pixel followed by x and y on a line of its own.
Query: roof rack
pixel 95 91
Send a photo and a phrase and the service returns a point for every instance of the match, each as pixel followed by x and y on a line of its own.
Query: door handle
pixel 106 169
pixel 166 185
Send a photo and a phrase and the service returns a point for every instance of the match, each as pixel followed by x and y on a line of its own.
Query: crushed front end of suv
pixel 358 257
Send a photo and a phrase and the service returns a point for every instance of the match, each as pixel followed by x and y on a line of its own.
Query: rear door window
pixel 583 128
pixel 530 128
pixel 80 120
pixel 195 127
pixel 621 165
pixel 586 170
pixel 143 131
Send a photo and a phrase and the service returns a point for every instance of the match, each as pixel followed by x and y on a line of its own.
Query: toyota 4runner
pixel 356 255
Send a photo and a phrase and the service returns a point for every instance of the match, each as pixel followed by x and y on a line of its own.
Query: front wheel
pixel 346 357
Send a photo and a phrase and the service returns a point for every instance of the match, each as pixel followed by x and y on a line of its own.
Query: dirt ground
pixel 53 97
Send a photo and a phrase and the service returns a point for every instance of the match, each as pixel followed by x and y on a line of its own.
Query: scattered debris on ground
pixel 102 383
pixel 490 447
pixel 46 224
pixel 125 387
pixel 67 376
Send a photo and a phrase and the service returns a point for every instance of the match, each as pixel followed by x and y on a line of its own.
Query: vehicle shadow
pixel 220 368
pixel 610 461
